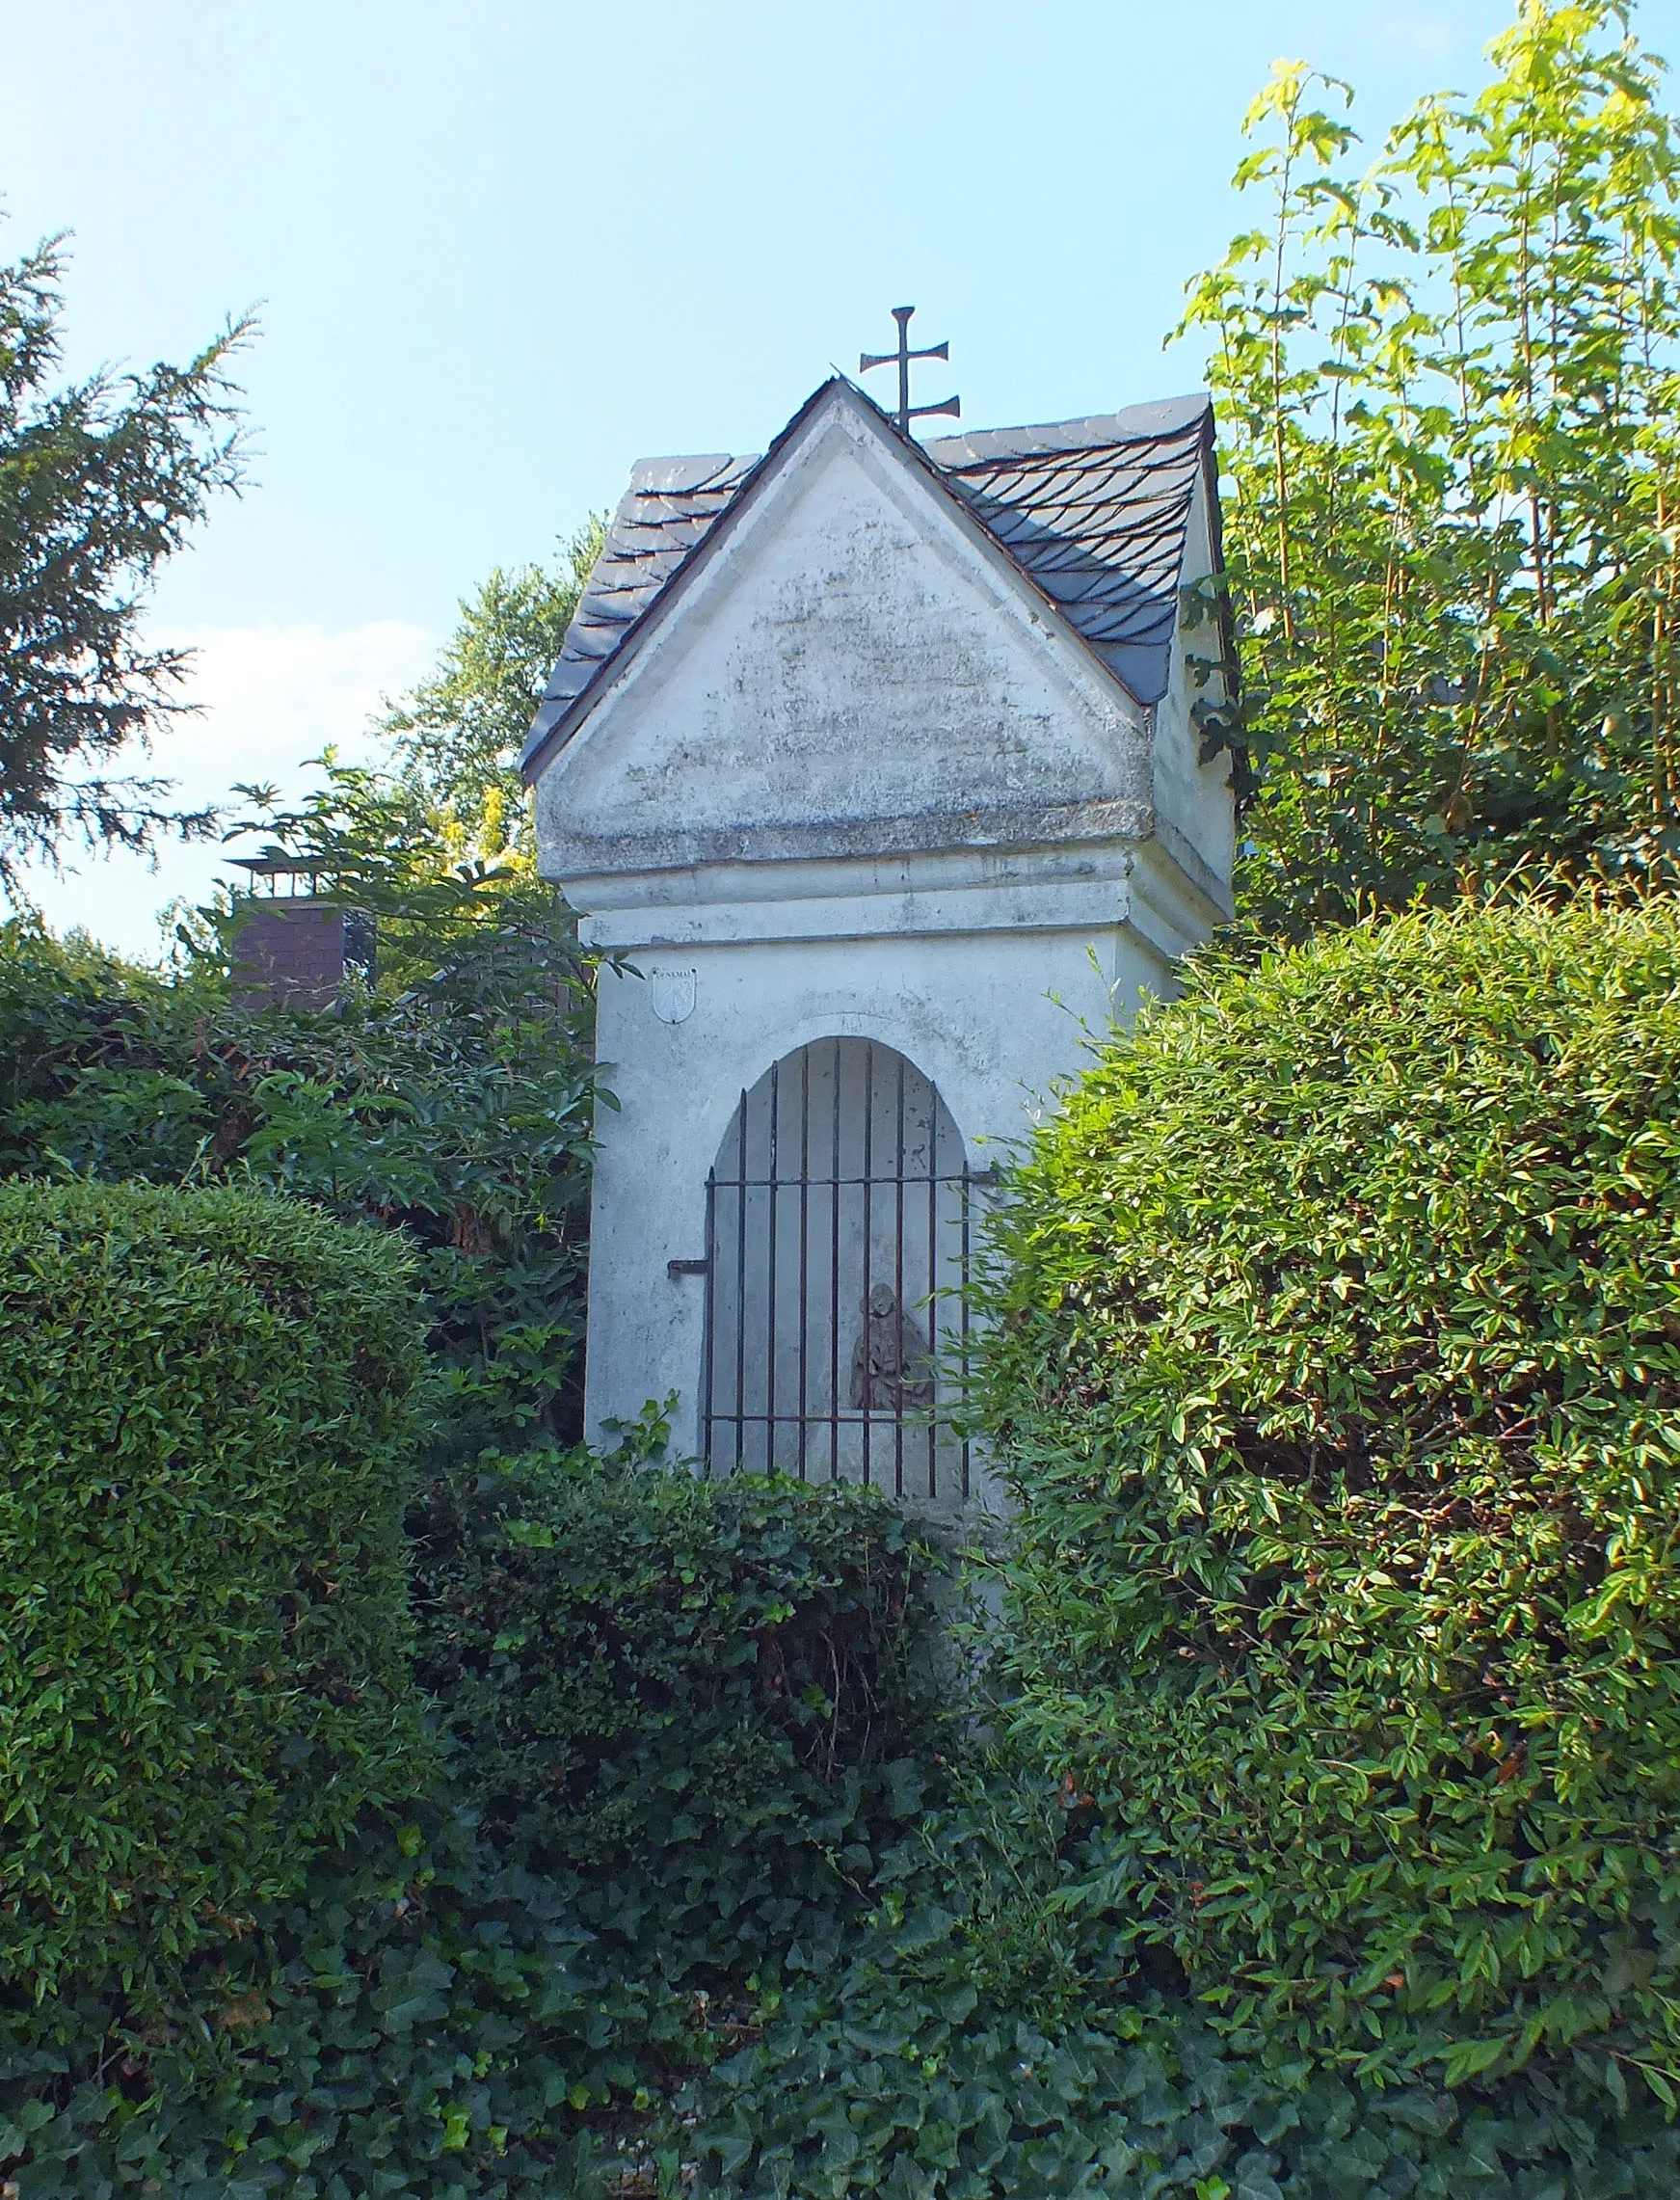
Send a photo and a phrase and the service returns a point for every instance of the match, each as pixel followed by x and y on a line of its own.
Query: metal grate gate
pixel 839 1233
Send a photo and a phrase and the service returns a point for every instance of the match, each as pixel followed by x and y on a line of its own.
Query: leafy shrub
pixel 693 1704
pixel 889 2078
pixel 1336 1366
pixel 424 2024
pixel 411 2021
pixel 414 2021
pixel 208 1400
pixel 698 1703
pixel 457 1113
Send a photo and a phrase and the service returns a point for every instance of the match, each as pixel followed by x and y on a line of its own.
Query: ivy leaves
pixel 1335 1364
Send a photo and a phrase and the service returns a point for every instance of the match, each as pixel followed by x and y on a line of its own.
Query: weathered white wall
pixel 995 1014
pixel 1191 801
pixel 859 670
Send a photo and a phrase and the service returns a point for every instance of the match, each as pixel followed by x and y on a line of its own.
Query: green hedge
pixel 207 1401
pixel 702 1705
pixel 1337 1368
pixel 682 1716
pixel 455 1114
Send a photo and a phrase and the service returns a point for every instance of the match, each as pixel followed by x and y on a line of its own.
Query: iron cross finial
pixel 902 357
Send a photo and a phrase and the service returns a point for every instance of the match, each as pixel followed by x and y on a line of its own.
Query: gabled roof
pixel 1093 512
pixel 669 508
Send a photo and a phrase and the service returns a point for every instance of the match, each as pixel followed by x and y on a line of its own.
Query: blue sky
pixel 504 250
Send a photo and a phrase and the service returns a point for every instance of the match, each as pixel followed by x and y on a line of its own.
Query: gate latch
pixel 675 1268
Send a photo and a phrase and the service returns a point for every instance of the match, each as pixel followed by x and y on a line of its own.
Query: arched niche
pixel 841 1217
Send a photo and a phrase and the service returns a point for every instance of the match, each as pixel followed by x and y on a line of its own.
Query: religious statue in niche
pixel 891 1369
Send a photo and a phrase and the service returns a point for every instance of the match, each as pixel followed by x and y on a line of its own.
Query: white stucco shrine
pixel 878 764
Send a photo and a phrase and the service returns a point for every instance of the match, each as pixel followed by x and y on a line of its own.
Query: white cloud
pixel 271 697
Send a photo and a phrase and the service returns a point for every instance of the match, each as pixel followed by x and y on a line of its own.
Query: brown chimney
pixel 294 950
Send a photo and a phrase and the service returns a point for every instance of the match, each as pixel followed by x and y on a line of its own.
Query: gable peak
pixel 1094 512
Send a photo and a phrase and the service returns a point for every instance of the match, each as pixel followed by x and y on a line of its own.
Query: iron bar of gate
pixel 709 1343
pixel 932 1294
pixel 910 1176
pixel 899 1289
pixel 974 1176
pixel 834 1466
pixel 804 1240
pixel 866 1386
pixel 741 1291
pixel 775 1274
pixel 963 1304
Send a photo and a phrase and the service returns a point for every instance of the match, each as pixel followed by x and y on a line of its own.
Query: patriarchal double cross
pixel 905 411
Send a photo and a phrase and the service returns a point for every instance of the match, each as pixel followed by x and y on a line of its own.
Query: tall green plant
pixel 1446 388
pixel 459 734
pixel 454 904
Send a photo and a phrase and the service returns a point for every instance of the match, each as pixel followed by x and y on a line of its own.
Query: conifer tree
pixel 100 480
